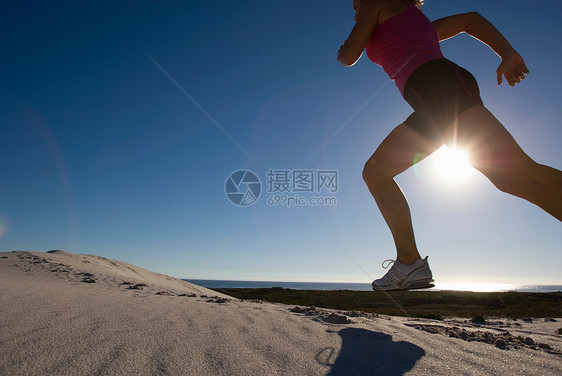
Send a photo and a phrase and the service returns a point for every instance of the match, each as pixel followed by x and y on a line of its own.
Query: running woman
pixel 447 110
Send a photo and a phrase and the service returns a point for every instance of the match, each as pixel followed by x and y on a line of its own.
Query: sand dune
pixel 69 314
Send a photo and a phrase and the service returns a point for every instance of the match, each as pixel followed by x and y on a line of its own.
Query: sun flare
pixel 477 287
pixel 452 165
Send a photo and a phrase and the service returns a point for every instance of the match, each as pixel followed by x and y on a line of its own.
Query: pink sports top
pixel 403 43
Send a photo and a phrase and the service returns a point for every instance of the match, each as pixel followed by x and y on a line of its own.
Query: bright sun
pixel 452 165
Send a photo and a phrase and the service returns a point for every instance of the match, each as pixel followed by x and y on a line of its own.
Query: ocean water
pixel 483 287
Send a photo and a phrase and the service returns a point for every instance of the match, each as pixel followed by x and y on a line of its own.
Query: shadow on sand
pixel 365 352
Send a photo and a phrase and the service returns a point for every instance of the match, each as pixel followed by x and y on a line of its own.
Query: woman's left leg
pixel 396 154
pixel 495 153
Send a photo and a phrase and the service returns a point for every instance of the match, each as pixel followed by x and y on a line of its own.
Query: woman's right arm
pixel 366 19
pixel 512 66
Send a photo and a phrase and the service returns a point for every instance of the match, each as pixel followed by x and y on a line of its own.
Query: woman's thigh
pixel 400 150
pixel 491 148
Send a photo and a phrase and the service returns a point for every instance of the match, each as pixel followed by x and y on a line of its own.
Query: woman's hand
pixel 340 55
pixel 513 68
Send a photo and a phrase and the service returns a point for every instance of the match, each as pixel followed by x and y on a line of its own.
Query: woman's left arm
pixel 512 67
pixel 365 22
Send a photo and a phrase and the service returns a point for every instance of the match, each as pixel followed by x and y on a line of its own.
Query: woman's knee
pixel 376 171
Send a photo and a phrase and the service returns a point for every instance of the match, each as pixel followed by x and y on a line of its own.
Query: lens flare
pixel 452 165
pixel 476 287
pixel 417 158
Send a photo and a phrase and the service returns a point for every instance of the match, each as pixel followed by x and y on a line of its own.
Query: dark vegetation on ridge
pixel 430 304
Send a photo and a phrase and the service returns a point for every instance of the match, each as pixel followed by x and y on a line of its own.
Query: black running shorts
pixel 439 91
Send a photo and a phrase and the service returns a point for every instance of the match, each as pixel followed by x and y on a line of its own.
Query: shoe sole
pixel 417 286
pixel 423 284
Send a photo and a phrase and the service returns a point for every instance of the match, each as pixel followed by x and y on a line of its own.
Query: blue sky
pixel 100 152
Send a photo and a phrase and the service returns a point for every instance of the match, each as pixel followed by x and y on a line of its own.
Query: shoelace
pixel 394 275
pixel 390 261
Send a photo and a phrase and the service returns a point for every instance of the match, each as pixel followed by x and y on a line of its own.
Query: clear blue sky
pixel 100 152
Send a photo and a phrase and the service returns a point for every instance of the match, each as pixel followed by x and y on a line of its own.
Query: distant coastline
pixel 209 283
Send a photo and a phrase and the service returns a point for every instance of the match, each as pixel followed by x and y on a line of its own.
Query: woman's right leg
pixel 495 153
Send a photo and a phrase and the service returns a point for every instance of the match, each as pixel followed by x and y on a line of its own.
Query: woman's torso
pixel 403 40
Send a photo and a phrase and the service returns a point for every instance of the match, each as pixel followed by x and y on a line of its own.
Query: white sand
pixel 53 323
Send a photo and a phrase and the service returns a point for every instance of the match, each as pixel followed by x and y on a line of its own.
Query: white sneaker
pixel 405 277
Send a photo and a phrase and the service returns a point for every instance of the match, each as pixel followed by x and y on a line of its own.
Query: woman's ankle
pixel 408 260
